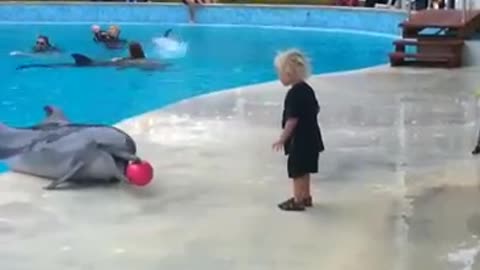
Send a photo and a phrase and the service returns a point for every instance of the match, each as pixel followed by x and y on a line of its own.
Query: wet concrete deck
pixel 397 188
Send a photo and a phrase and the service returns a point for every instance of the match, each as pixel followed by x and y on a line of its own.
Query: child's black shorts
pixel 300 164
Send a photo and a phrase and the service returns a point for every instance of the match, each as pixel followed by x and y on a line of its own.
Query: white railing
pixel 409 5
pixel 465 5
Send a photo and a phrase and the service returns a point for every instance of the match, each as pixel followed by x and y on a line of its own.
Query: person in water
pixel 98 34
pixel 301 138
pixel 43 45
pixel 113 33
pixel 111 37
pixel 136 59
pixel 136 53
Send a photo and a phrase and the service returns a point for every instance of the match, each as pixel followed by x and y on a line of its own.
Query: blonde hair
pixel 114 28
pixel 293 61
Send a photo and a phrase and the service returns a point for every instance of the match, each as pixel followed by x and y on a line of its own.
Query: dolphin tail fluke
pixel 81 60
pixel 167 33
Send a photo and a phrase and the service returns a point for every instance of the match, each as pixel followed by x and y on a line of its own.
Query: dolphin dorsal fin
pixel 81 60
pixel 54 115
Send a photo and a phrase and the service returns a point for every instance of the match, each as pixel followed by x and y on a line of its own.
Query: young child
pixel 301 137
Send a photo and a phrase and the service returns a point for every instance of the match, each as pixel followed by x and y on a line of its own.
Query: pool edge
pixel 257 86
pixel 293 6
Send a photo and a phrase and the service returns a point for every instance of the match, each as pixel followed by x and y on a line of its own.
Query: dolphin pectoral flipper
pixel 66 177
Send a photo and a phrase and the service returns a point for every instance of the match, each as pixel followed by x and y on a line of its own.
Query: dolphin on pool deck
pixel 67 152
pixel 81 60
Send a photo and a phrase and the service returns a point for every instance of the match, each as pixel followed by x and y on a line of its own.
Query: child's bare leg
pixel 306 196
pixel 191 12
pixel 295 203
pixel 298 189
pixel 306 187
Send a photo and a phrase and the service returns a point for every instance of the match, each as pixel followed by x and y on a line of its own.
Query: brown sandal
pixel 308 202
pixel 291 205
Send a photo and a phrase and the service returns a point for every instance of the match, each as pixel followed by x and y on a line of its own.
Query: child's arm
pixel 287 131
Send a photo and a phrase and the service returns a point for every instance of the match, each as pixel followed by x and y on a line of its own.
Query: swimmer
pixel 110 38
pixel 136 59
pixel 42 45
pixel 113 32
pixel 135 53
pixel 113 40
pixel 98 34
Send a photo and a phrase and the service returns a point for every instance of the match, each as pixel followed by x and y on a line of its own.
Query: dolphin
pixel 66 152
pixel 81 60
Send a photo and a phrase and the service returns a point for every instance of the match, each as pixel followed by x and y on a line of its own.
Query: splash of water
pixel 170 48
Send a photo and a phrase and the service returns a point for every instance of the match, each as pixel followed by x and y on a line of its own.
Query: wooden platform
pixel 437 36
pixel 441 18
pixel 449 20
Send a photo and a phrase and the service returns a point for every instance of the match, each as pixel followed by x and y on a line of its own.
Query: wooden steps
pixel 443 43
pixel 442 46
pixel 427 60
pixel 441 53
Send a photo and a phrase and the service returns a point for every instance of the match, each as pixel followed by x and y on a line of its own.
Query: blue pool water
pixel 217 58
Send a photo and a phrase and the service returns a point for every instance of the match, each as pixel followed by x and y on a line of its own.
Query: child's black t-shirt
pixel 301 103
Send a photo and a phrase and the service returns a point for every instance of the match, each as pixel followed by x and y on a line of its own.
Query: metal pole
pixel 464 10
pixel 409 8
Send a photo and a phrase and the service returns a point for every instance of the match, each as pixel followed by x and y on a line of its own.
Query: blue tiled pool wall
pixel 371 20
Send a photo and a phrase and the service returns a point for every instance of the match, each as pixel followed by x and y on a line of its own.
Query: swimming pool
pixel 230 47
pixel 217 58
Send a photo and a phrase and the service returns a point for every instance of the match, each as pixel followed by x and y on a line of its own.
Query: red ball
pixel 140 174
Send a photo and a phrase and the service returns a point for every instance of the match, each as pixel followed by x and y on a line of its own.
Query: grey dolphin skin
pixel 66 152
pixel 82 61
